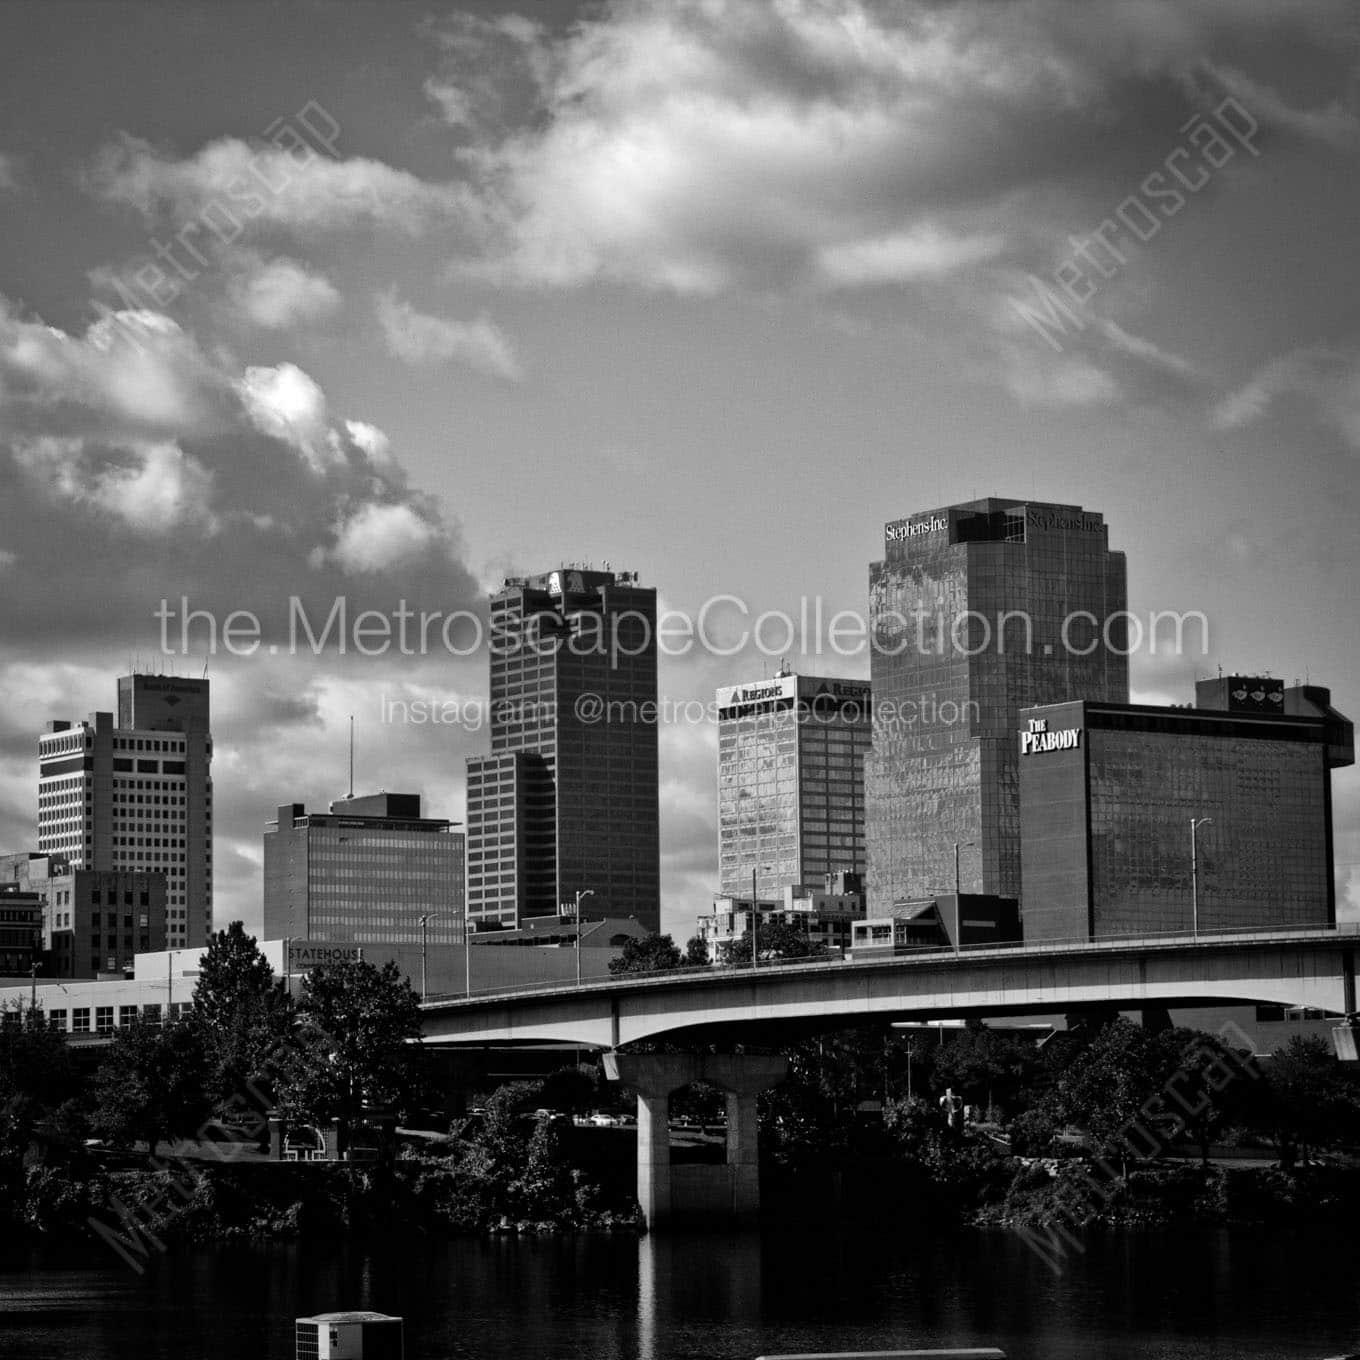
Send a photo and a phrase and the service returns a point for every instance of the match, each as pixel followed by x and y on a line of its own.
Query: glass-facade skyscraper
pixel 363 873
pixel 567 800
pixel 791 781
pixel 977 611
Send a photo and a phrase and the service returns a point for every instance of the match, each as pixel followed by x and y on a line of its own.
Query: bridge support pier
pixel 731 1191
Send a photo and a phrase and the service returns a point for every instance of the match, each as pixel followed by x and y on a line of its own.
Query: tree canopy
pixel 652 954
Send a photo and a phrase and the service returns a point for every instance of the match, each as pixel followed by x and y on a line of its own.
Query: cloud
pixel 279 293
pixel 1324 379
pixel 418 338
pixel 229 188
pixel 696 146
pixel 185 477
pixel 923 253
pixel 11 173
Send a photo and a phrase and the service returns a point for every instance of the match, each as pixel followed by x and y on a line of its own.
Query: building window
pixel 103 1019
pixel 80 1020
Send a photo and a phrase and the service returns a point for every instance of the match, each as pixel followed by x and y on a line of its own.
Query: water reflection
pixel 1205 1295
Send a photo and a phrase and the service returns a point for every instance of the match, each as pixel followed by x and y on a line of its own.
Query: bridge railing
pixel 887 956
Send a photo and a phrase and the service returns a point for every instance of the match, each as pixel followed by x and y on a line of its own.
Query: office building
pixel 976 611
pixel 20 930
pixel 566 804
pixel 136 795
pixel 98 920
pixel 791 781
pixel 824 913
pixel 364 872
pixel 1108 793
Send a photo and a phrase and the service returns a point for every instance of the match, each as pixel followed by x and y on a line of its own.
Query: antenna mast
pixel 351 755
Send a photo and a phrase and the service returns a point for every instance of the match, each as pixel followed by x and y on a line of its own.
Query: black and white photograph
pixel 677 679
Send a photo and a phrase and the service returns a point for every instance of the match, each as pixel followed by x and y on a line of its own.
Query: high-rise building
pixel 791 781
pixel 136 796
pixel 1109 793
pixel 977 610
pixel 566 802
pixel 363 873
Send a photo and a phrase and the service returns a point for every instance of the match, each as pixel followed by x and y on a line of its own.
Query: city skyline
pixel 439 304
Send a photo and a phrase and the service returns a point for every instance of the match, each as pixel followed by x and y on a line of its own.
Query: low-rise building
pixel 824 914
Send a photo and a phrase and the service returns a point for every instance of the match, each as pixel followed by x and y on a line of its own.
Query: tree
pixel 987 1068
pixel 696 951
pixel 149 1084
pixel 358 1049
pixel 242 1012
pixel 652 954
pixel 1309 1100
pixel 35 1062
pixel 1209 1086
pixel 775 940
pixel 1106 1086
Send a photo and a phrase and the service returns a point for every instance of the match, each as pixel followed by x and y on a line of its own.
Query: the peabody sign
pixel 1039 738
pixel 304 954
pixel 914 528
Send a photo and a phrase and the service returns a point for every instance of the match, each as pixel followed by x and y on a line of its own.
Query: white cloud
pixel 1327 379
pixel 380 537
pixel 416 337
pixel 229 189
pixel 287 404
pixel 279 293
pixel 925 252
pixel 152 488
pixel 9 172
pixel 375 444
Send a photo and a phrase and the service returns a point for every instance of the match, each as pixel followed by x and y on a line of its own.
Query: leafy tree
pixel 149 1085
pixel 571 1090
pixel 985 1067
pixel 1309 1100
pixel 696 951
pixel 774 940
pixel 35 1062
pixel 243 1013
pixel 1108 1083
pixel 357 1050
pixel 1209 1086
pixel 652 954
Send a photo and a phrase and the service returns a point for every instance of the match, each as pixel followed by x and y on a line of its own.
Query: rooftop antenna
pixel 351 755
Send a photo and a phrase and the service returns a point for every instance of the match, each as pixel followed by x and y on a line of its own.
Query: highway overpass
pixel 1314 968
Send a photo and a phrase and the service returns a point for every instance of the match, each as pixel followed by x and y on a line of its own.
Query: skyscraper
pixel 566 802
pixel 976 611
pixel 365 872
pixel 791 781
pixel 137 795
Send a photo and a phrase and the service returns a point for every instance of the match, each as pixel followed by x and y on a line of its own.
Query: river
pixel 1202 1294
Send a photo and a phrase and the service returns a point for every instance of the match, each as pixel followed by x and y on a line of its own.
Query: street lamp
pixel 424 922
pixel 958 913
pixel 582 892
pixel 1195 824
pixel 755 914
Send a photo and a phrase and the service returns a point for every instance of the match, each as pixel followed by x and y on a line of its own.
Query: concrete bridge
pixel 778 1002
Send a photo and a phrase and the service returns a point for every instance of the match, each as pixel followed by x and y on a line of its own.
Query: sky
pixel 383 303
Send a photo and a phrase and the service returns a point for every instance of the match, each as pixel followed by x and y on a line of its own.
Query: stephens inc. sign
pixel 1038 738
pixel 914 528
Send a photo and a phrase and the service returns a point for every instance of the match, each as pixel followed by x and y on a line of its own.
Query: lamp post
pixel 469 929
pixel 755 913
pixel 1195 824
pixel 582 892
pixel 424 923
pixel 958 913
